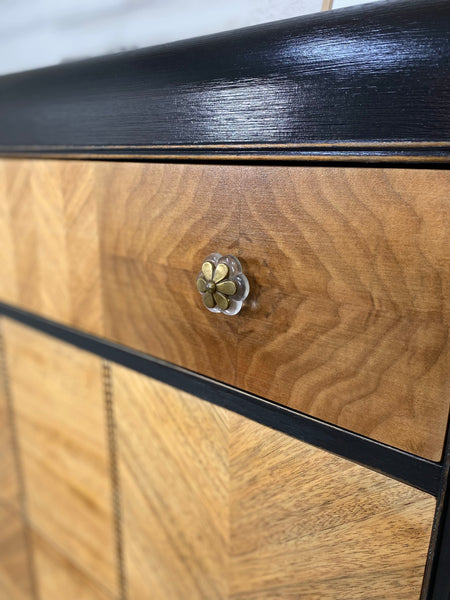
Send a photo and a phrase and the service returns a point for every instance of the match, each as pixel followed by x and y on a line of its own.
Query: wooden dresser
pixel 153 449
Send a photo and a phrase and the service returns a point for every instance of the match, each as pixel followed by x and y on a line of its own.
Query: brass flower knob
pixel 222 284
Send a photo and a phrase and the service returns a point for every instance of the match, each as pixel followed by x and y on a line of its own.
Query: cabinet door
pixel 15 564
pixel 57 397
pixel 135 489
pixel 218 506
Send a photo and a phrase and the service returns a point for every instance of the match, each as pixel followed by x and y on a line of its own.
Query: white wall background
pixel 35 33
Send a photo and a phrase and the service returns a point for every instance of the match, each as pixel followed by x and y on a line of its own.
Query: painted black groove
pixel 315 86
pixel 408 468
pixel 434 154
pixel 18 468
pixel 108 396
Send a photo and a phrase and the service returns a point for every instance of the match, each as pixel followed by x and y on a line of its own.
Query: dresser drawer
pixel 348 313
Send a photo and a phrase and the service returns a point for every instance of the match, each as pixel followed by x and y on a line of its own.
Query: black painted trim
pixel 440 589
pixel 408 468
pixel 334 153
pixel 437 574
pixel 361 83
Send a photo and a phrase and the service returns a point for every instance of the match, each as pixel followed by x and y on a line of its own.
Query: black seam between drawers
pixel 413 470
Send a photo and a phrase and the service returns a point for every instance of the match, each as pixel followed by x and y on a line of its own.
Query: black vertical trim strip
pixel 114 476
pixel 437 575
pixel 18 465
pixel 408 468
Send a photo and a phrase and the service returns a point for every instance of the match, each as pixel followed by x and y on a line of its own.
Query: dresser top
pixel 366 82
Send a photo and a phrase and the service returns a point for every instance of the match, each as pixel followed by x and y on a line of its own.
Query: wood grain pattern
pixel 174 480
pixel 59 577
pixel 349 312
pixel 152 242
pixel 58 398
pixel 50 256
pixel 15 580
pixel 238 511
pixel 349 268
pixel 350 319
pixel 9 480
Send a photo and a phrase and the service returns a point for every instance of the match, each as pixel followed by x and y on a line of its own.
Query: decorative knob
pixel 222 284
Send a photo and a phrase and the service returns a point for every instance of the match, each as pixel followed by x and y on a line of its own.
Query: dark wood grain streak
pixel 15 578
pixel 376 73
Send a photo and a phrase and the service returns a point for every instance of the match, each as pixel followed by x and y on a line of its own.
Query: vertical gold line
pixel 114 475
pixel 327 4
pixel 18 465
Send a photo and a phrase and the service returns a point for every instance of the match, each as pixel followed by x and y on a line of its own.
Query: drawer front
pixel 347 318
pixel 207 504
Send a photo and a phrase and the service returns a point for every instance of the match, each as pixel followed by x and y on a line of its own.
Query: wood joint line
pixel 114 475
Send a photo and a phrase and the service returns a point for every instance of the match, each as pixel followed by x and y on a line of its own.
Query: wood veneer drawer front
pixel 347 318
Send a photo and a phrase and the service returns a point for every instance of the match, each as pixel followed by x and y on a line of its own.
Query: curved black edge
pixel 408 468
pixel 372 74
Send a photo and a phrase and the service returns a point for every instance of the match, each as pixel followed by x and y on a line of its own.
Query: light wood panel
pixel 9 481
pixel 58 399
pixel 59 577
pixel 349 311
pixel 173 468
pixel 217 506
pixel 49 254
pixel 15 579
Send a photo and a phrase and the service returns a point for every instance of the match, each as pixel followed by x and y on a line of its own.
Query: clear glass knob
pixel 222 284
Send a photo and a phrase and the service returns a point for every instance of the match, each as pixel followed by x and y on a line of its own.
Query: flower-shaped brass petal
pixel 208 270
pixel 222 284
pixel 220 273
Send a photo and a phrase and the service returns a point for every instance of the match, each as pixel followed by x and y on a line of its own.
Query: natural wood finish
pixel 351 306
pixel 15 579
pixel 217 506
pixel 173 468
pixel 58 399
pixel 164 221
pixel 59 577
pixel 9 481
pixel 349 311
pixel 49 252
